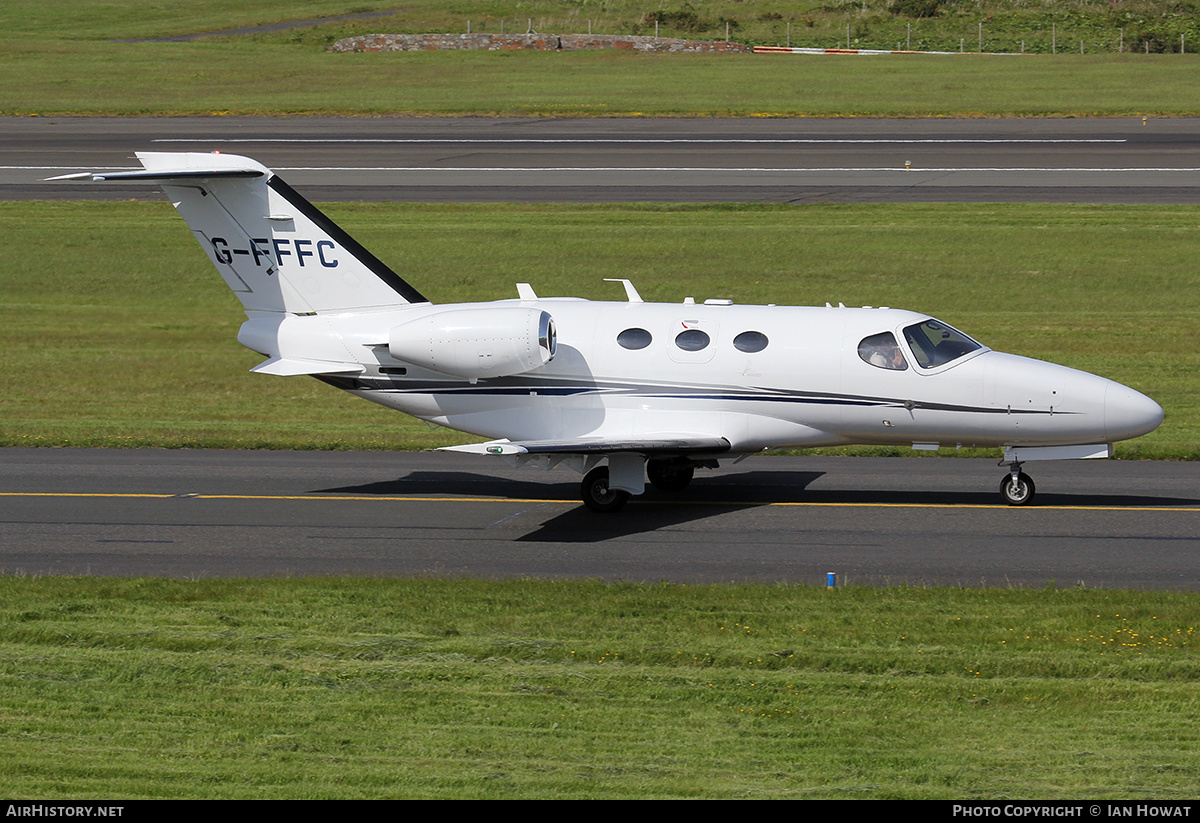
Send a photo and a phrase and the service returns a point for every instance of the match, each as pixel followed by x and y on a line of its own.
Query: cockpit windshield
pixel 935 343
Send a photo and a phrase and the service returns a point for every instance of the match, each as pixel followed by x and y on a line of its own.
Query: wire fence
pixel 1180 36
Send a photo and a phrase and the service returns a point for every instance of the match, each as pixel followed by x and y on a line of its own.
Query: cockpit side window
pixel 881 351
pixel 934 343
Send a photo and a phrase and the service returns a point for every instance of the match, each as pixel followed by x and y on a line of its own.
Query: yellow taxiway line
pixel 414 499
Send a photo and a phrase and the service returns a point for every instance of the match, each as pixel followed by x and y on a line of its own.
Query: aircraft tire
pixel 596 494
pixel 1019 493
pixel 667 477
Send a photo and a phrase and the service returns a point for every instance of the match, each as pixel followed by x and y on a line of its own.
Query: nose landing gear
pixel 1017 489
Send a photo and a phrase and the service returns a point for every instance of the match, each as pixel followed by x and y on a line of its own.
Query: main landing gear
pixel 1017 489
pixel 665 474
pixel 670 475
pixel 596 494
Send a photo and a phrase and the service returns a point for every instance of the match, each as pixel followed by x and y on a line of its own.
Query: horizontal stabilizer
pixel 290 367
pixel 159 175
pixel 657 446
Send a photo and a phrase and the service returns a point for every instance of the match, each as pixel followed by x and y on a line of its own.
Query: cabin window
pixel 634 339
pixel 691 340
pixel 933 343
pixel 882 352
pixel 750 341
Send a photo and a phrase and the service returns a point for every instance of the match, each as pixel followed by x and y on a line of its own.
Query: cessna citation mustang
pixel 622 391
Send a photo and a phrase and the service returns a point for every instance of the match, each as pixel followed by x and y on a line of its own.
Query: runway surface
pixel 1111 524
pixel 595 160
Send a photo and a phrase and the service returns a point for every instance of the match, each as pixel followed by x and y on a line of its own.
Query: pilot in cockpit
pixel 882 352
pixel 891 358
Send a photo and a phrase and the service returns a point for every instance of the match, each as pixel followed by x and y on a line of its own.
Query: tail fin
pixel 275 249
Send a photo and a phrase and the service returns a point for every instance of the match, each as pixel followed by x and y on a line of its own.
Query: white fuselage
pixel 808 386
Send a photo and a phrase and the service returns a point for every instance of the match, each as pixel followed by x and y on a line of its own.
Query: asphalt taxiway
pixel 920 521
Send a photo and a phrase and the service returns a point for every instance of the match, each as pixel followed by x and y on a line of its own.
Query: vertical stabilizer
pixel 276 250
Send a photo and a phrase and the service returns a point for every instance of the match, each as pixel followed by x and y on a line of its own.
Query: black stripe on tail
pixel 397 283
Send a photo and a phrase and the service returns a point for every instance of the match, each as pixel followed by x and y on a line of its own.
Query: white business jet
pixel 622 390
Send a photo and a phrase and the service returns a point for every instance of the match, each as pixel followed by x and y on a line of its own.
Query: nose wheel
pixel 1017 489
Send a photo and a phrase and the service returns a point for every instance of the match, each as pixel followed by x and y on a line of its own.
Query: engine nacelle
pixel 473 343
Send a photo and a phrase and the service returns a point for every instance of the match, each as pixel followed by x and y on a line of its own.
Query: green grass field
pixel 61 58
pixel 523 689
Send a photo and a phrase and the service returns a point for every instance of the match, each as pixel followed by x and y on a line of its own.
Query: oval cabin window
pixel 634 339
pixel 750 341
pixel 691 340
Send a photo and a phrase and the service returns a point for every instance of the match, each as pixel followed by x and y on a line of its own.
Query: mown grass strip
pixel 471 689
pixel 205 78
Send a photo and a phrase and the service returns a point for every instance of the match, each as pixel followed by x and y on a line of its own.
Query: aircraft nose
pixel 1129 413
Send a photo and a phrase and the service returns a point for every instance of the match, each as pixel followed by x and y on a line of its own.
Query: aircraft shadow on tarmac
pixel 748 488
pixel 706 497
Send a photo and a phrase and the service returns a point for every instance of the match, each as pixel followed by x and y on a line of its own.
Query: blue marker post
pixel 830 580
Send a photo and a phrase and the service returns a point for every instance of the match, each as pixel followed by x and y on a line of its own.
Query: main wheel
pixel 596 494
pixel 1017 492
pixel 668 477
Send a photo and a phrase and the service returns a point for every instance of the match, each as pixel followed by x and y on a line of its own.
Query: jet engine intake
pixel 476 342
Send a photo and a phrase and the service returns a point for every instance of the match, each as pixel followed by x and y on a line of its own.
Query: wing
pixel 662 446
